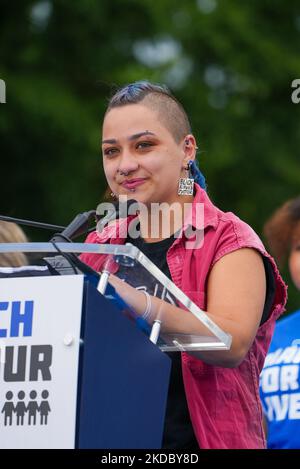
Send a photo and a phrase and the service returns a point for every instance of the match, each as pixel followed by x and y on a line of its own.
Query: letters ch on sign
pixel 2 92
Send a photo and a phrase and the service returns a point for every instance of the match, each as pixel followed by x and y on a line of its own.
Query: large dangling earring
pixel 186 185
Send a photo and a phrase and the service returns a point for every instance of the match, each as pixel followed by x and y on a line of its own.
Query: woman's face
pixel 136 143
pixel 294 259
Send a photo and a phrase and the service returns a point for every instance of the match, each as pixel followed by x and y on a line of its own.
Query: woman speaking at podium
pixel 149 155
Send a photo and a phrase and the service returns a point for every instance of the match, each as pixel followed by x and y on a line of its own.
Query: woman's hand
pixel 133 297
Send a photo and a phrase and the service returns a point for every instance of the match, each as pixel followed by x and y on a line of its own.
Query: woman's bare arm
pixel 236 292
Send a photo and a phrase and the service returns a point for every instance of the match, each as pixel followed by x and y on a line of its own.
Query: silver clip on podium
pixel 133 265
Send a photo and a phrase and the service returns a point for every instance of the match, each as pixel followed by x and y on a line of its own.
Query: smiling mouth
pixel 132 184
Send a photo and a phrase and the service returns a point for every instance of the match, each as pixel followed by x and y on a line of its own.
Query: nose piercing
pixel 124 173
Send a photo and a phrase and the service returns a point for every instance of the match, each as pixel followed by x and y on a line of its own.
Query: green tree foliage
pixel 230 62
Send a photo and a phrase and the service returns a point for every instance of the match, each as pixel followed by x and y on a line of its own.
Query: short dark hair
pixel 281 229
pixel 159 98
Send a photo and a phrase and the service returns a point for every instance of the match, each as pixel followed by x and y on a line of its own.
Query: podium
pixel 76 370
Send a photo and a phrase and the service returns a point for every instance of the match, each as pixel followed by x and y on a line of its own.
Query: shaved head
pixel 159 99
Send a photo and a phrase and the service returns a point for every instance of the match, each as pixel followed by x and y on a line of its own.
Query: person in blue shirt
pixel 280 377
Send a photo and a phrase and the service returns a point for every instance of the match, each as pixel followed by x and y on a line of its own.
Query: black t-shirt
pixel 178 430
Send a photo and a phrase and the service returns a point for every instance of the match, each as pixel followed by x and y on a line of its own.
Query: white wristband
pixel 147 311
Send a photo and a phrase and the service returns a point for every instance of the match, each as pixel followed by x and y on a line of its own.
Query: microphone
pixel 80 223
pixel 77 226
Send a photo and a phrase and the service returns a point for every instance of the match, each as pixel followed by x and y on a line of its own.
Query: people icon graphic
pixel 44 408
pixel 31 409
pixel 20 408
pixel 8 408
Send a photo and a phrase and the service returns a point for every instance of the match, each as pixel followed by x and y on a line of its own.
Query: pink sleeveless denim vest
pixel 224 403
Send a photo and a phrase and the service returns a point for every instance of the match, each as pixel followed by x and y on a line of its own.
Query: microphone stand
pixel 67 232
pixel 37 224
pixel 77 227
pixel 34 224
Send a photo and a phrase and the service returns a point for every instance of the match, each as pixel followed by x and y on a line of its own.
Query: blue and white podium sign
pixel 40 320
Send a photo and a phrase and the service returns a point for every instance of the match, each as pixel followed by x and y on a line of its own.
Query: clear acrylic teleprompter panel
pixel 132 264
